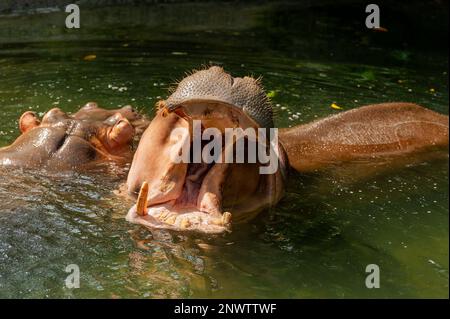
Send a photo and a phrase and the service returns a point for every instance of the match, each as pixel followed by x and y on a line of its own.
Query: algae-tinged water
pixel 316 243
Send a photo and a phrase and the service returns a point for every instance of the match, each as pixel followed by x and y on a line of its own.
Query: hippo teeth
pixel 141 205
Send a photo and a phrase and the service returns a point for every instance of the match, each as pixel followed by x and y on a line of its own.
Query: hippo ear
pixel 27 121
pixel 121 133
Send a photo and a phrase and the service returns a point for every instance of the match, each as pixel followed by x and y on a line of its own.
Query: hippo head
pixel 64 141
pixel 202 196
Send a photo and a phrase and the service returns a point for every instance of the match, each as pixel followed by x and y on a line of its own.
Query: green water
pixel 318 240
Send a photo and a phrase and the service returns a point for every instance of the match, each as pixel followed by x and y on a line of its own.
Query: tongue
pixel 210 194
pixel 192 184
pixel 202 188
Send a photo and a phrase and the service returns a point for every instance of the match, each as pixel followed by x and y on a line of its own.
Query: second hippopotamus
pixel 64 141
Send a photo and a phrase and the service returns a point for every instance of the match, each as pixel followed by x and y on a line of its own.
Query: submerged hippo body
pixel 206 197
pixel 62 141
pixel 387 131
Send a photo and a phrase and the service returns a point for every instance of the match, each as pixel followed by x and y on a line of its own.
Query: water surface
pixel 315 243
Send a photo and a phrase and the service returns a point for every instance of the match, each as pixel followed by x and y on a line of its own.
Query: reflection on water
pixel 315 243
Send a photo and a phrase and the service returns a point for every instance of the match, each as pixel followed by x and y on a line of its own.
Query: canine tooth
pixel 141 205
pixel 226 218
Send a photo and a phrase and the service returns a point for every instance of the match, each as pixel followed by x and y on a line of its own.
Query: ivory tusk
pixel 141 205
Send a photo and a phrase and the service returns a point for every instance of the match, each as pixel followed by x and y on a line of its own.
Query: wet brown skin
pixel 63 141
pixel 394 132
pixel 208 199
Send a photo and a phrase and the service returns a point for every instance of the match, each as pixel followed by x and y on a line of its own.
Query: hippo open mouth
pixel 195 205
pixel 203 196
pixel 187 195
pixel 195 196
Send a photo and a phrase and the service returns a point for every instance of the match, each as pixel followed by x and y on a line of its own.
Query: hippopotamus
pixel 63 141
pixel 209 197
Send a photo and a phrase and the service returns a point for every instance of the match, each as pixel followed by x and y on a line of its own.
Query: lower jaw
pixel 189 219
